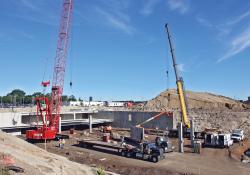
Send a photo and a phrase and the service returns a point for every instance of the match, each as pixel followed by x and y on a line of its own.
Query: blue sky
pixel 119 48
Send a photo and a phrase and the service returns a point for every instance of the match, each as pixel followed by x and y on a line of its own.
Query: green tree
pixel 17 92
pixel 48 95
pixel 28 99
pixel 72 98
pixel 17 96
pixel 64 98
pixel 37 94
pixel 7 99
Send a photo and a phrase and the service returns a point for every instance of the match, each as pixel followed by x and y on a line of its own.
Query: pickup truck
pixel 237 135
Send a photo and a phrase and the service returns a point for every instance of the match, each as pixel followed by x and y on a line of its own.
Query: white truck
pixel 224 140
pixel 218 140
pixel 237 135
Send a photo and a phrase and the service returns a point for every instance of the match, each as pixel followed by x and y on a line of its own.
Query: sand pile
pixel 225 120
pixel 37 161
pixel 168 100
pixel 208 110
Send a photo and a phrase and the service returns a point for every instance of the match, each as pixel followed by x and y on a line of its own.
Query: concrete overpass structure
pixel 17 121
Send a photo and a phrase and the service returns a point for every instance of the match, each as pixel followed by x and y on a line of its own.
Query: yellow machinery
pixel 179 82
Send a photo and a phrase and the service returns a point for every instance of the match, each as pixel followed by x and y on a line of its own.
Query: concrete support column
pixel 90 123
pixel 74 116
pixel 60 125
pixel 180 137
pixel 192 133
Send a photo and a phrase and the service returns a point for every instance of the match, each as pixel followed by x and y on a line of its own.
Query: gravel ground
pixel 210 161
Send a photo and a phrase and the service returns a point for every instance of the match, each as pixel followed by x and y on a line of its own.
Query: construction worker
pixel 63 143
pixel 60 143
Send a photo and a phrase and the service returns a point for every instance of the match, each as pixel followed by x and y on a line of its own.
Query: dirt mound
pixel 225 120
pixel 35 160
pixel 237 150
pixel 168 100
pixel 207 110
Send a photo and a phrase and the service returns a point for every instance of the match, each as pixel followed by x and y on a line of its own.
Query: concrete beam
pixel 192 133
pixel 90 123
pixel 180 137
pixel 60 125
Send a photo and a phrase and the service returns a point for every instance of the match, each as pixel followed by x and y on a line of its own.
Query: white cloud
pixel 204 21
pixel 148 7
pixel 150 40
pixel 179 5
pixel 25 34
pixel 117 22
pixel 33 11
pixel 29 4
pixel 237 45
pixel 35 6
pixel 221 29
pixel 181 67
pixel 239 18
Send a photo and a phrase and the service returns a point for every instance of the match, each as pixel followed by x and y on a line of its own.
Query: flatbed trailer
pixel 125 150
pixel 91 143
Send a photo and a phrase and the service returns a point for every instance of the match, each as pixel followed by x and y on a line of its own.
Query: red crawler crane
pixel 49 111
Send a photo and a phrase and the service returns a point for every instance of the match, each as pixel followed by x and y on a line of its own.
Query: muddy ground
pixel 210 161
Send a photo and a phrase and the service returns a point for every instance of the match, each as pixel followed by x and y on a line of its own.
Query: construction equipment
pixel 154 117
pixel 238 135
pixel 107 129
pixel 145 150
pixel 218 140
pixel 179 82
pixel 160 142
pixel 49 111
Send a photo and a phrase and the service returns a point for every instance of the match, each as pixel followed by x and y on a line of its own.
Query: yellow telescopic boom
pixel 179 83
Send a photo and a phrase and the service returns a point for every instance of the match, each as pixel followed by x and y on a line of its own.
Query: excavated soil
pixel 238 149
pixel 210 161
pixel 168 100
pixel 206 109
pixel 37 161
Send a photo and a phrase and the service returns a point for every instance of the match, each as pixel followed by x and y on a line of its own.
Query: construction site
pixel 177 132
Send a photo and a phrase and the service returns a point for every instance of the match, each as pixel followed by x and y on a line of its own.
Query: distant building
pixel 75 103
pixel 86 103
pixel 116 104
pixel 127 104
pixel 93 103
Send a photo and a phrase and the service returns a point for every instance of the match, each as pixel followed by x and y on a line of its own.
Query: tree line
pixel 19 97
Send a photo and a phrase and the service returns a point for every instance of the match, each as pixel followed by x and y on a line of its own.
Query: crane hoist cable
pixel 45 68
pixel 71 58
pixel 44 83
pixel 167 73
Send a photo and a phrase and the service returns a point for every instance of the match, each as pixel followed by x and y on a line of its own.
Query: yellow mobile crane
pixel 179 83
